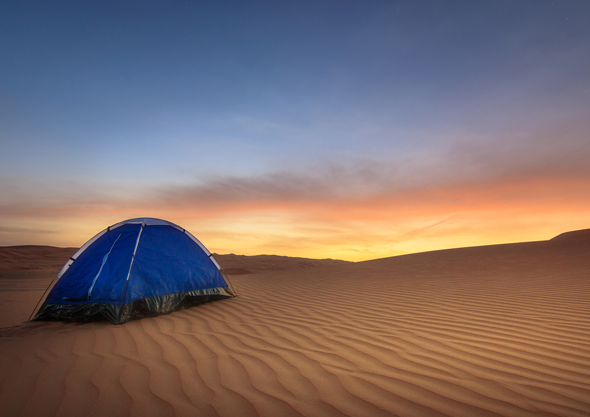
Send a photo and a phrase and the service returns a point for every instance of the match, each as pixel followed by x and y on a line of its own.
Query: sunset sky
pixel 344 129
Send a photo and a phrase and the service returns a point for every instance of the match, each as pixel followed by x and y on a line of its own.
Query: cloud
pixel 559 151
pixel 468 166
pixel 474 191
pixel 20 230
pixel 471 172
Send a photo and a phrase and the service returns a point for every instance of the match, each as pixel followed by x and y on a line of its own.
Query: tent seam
pixel 130 266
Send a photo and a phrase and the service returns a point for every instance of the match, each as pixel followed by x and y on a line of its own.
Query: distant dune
pixel 242 264
pixel 33 257
pixel 33 251
pixel 501 330
pixel 574 235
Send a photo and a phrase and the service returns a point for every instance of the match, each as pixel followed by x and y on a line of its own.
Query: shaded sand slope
pixel 499 330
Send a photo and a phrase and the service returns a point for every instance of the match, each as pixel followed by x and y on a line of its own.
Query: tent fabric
pixel 135 268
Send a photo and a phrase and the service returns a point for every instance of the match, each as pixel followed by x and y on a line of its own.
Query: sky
pixel 344 129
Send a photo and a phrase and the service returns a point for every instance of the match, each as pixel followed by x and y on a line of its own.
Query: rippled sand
pixel 499 330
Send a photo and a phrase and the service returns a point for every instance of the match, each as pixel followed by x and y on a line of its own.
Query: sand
pixel 497 330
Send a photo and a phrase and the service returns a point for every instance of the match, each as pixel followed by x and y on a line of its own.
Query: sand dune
pixel 487 331
pixel 243 265
pixel 25 272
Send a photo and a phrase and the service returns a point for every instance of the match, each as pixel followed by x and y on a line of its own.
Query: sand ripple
pixel 456 334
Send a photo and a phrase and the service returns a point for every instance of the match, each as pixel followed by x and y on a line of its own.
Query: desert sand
pixel 499 330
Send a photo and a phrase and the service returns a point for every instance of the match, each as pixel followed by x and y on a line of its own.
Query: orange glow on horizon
pixel 354 229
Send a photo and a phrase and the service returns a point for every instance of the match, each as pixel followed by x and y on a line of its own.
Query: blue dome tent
pixel 135 268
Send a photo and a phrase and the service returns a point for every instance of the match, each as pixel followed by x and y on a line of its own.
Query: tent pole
pixel 42 298
pixel 129 272
pixel 228 282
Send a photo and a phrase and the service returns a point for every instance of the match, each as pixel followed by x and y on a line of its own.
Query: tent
pixel 136 268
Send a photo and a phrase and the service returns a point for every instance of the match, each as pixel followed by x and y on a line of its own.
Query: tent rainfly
pixel 135 268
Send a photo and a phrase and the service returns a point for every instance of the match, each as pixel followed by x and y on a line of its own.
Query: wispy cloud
pixel 30 231
pixel 473 192
pixel 559 155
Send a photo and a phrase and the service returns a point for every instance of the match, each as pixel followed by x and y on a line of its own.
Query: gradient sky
pixel 344 129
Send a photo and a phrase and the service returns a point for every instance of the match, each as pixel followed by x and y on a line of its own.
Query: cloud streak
pixel 472 193
pixel 468 165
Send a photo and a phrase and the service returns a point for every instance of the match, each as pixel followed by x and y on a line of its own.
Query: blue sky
pixel 140 108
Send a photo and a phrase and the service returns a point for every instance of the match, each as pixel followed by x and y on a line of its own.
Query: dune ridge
pixel 501 330
pixel 242 264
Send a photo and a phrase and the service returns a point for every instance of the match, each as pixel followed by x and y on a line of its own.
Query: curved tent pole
pixel 149 221
pixel 67 265
pixel 210 255
pixel 223 274
pixel 104 261
pixel 129 272
pixel 228 282
pixel 42 298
